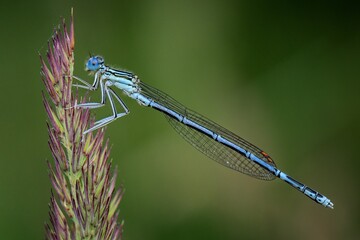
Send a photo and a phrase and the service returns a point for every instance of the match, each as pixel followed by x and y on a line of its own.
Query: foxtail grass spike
pixel 84 203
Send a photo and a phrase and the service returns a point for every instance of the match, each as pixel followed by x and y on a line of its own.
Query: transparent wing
pixel 208 146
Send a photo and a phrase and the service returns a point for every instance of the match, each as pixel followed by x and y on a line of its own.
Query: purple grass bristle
pixel 85 201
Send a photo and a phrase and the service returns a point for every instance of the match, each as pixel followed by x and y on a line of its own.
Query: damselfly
pixel 208 137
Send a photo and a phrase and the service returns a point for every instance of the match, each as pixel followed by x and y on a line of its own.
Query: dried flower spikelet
pixel 85 203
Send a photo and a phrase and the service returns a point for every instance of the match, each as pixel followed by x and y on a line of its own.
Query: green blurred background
pixel 282 74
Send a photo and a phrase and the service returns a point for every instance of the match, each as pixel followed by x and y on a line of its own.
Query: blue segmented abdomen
pixel 202 136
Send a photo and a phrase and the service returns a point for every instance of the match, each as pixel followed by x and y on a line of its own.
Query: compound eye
pixel 94 63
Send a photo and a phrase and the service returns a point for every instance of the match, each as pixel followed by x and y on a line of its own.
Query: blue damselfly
pixel 208 137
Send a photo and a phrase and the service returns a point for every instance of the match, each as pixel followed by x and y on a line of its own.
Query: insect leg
pixel 103 122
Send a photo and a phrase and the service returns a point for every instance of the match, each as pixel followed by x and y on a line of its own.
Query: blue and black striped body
pixel 238 154
pixel 208 137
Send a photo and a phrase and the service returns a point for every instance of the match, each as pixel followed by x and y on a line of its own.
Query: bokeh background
pixel 282 74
